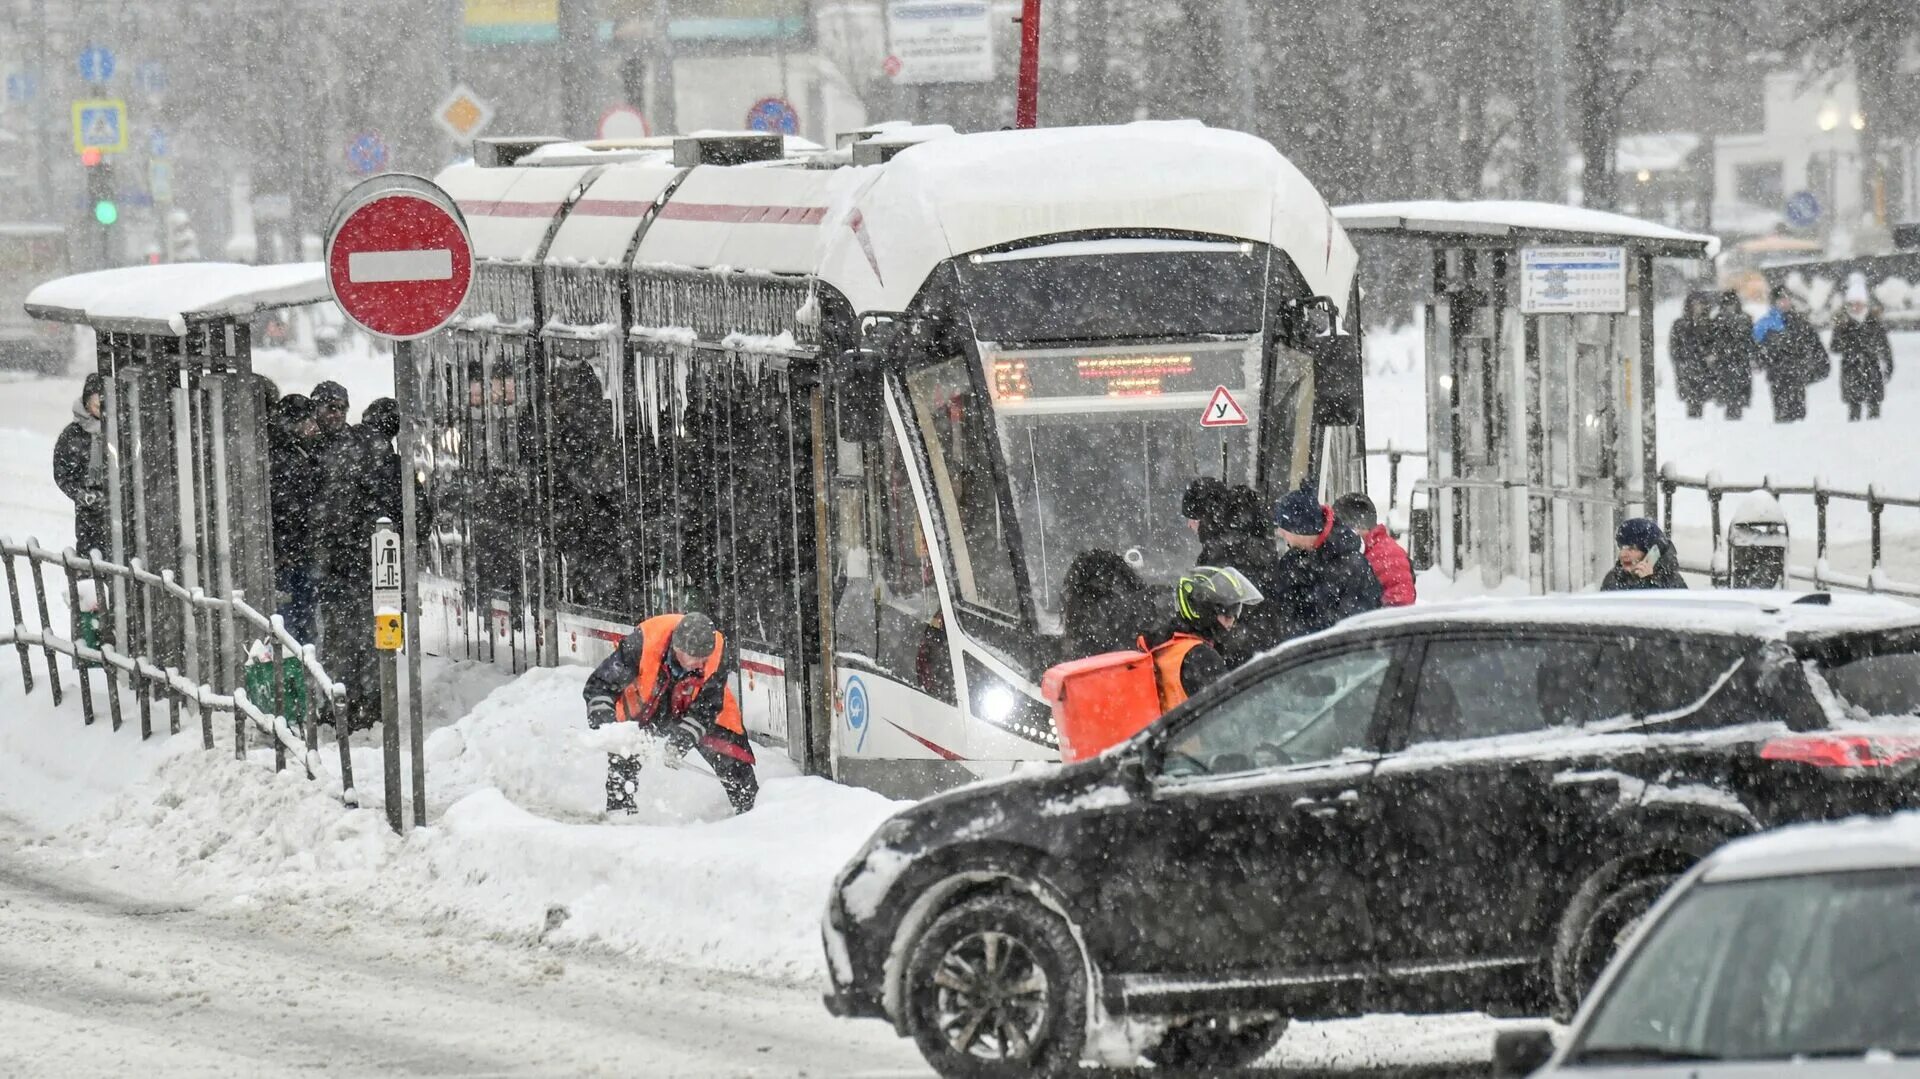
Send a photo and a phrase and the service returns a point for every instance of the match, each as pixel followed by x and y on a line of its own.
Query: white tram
pixel 865 406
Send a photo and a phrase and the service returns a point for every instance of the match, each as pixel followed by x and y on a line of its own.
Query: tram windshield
pixel 1101 443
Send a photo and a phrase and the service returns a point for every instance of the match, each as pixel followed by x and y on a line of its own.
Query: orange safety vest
pixel 1167 658
pixel 637 701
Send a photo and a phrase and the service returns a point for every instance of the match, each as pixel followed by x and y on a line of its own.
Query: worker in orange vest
pixel 670 676
pixel 1210 600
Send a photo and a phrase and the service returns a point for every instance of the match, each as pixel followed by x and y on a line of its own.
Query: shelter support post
pixel 413 463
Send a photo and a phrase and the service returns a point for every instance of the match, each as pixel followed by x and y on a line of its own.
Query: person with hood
pixel 1733 358
pixel 360 483
pixel 294 476
pixel 1189 655
pixel 1792 354
pixel 1324 575
pixel 1866 354
pixel 1233 532
pixel 1388 559
pixel 80 471
pixel 1690 345
pixel 1646 559
pixel 1105 605
pixel 330 410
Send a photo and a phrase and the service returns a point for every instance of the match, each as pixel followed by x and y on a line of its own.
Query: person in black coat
pixel 295 476
pixel 360 484
pixel 79 470
pixel 1866 357
pixel 1690 345
pixel 1647 559
pixel 1733 358
pixel 1105 606
pixel 1324 576
pixel 1794 358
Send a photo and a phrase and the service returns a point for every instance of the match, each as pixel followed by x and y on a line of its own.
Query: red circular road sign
pixel 890 66
pixel 398 257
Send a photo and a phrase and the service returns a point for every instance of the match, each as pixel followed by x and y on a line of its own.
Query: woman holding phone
pixel 1646 560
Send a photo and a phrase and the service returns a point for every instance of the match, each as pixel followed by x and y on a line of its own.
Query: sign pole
pixel 406 387
pixel 1027 109
pixel 384 548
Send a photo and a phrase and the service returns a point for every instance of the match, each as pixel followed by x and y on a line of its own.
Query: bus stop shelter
pixel 1540 381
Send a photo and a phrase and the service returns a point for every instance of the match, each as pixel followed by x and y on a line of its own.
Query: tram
pixel 866 405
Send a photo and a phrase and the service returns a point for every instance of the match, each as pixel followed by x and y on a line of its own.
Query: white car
pixel 1793 948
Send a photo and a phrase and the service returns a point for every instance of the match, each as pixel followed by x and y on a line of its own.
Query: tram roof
pixel 1525 222
pixel 164 299
pixel 876 232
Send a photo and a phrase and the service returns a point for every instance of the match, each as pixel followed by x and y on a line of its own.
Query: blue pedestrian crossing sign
pixel 157 144
pixel 367 154
pixel 96 63
pixel 1803 209
pixel 100 125
pixel 773 115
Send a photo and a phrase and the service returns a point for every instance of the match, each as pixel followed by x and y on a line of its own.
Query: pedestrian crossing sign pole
pixel 100 124
pixel 384 546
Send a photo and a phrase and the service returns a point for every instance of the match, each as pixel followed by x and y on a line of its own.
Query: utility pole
pixel 44 138
pixel 1550 100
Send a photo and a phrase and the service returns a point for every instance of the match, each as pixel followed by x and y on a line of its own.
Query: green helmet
pixel 1205 591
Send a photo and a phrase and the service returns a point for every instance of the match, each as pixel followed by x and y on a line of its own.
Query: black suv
pixel 1437 809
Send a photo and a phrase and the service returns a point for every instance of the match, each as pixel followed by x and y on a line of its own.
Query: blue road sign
pixel 156 142
pixel 22 87
pixel 96 63
pixel 1803 209
pixel 150 77
pixel 367 154
pixel 773 115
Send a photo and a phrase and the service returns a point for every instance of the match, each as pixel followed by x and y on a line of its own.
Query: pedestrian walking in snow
pixel 670 676
pixel 1866 355
pixel 295 476
pixel 1191 654
pixel 1324 575
pixel 1733 356
pixel 360 484
pixel 1794 358
pixel 1388 559
pixel 1690 345
pixel 80 471
pixel 1105 606
pixel 1646 559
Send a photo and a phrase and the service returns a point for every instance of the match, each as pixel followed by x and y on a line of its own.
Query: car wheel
pixel 996 988
pixel 1216 1042
pixel 1585 951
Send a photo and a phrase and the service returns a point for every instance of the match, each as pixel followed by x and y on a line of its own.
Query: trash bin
pixel 1756 543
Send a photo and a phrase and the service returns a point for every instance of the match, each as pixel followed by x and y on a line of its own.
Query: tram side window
pixel 589 488
pixel 912 642
pixel 1290 435
pixel 855 575
pixel 955 423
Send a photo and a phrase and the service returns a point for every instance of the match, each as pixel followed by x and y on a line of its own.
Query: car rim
pixel 990 997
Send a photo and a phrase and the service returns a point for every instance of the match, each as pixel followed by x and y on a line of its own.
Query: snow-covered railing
pixel 213 650
pixel 1819 574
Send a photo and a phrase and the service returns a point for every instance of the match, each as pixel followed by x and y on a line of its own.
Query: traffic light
pixel 100 187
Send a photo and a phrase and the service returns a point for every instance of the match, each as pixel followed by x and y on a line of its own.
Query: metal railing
pixel 1394 455
pixel 1820 575
pixel 201 671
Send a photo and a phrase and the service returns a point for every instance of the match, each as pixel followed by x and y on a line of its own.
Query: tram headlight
pixel 994 701
pixel 997 704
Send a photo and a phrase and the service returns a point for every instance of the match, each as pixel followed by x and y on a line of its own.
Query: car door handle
pixel 1328 808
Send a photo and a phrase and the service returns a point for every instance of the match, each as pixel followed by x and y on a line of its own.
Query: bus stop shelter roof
pixel 164 299
pixel 1523 223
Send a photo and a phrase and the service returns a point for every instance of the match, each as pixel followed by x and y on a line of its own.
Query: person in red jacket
pixel 1386 556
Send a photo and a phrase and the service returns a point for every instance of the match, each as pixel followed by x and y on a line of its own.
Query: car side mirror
pixel 1135 771
pixel 1521 1052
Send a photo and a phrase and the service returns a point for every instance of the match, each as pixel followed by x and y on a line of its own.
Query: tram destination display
pixel 1145 371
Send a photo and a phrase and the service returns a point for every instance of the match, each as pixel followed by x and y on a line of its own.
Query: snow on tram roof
pixel 1753 612
pixel 163 299
pixel 1494 217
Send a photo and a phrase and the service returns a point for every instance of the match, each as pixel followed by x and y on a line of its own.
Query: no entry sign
pixel 398 258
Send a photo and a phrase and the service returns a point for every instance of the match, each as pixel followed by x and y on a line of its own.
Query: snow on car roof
pixel 1842 846
pixel 1523 220
pixel 163 299
pixel 1758 613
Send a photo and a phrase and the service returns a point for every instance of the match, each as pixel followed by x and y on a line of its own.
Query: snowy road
pixel 93 982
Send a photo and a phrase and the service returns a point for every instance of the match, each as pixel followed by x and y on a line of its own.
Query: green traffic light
pixel 106 212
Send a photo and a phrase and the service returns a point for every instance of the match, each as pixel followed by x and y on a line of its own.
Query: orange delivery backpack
pixel 1100 701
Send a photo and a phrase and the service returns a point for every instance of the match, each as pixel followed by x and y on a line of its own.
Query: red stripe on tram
pixel 728 213
pixel 612 207
pixel 505 208
pixel 945 754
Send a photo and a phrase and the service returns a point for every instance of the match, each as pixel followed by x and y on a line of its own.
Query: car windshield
pixel 1822 965
pixel 1873 676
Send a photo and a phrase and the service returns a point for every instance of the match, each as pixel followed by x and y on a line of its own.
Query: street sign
pixel 96 63
pixel 1803 209
pixel 367 153
pixel 22 87
pixel 1223 410
pixel 156 142
pixel 160 180
pixel 940 41
pixel 100 125
pixel 890 67
pixel 150 77
pixel 462 114
pixel 623 121
pixel 385 550
pixel 398 258
pixel 774 115
pixel 1573 280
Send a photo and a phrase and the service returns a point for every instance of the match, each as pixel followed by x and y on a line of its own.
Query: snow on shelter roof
pixel 1859 843
pixel 1541 222
pixel 164 299
pixel 1754 613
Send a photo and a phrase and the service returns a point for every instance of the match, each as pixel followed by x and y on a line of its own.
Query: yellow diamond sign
pixel 463 114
